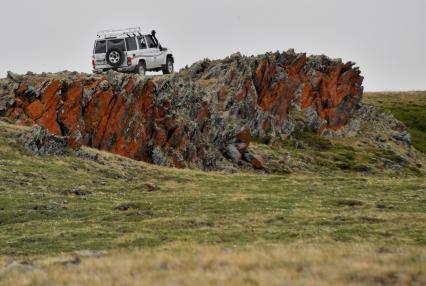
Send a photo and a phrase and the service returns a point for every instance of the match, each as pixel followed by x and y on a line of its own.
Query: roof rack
pixel 113 33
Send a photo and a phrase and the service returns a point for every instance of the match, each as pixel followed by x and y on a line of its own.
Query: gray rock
pixel 299 145
pixel 83 154
pixel 15 266
pixel 403 137
pixel 362 169
pixel 116 78
pixel 87 95
pixel 104 85
pixel 40 195
pixel 401 159
pixel 380 138
pixel 387 162
pixel 158 157
pixel 72 263
pixel 255 160
pixel 15 77
pixel 383 146
pixel 41 142
pixel 241 146
pixel 11 102
pixel 5 102
pixel 232 153
pixel 32 93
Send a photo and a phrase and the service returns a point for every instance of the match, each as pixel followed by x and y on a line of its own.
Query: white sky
pixel 386 38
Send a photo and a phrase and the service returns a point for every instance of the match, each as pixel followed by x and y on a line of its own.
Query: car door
pixel 142 51
pixel 99 53
pixel 132 49
pixel 120 45
pixel 153 52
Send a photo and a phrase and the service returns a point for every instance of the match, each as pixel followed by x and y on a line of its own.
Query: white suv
pixel 128 50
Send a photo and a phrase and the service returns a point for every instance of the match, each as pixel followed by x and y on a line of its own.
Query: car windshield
pixel 142 42
pixel 100 47
pixel 150 41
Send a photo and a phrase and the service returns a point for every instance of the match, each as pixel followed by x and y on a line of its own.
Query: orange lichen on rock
pixel 34 110
pixel 50 99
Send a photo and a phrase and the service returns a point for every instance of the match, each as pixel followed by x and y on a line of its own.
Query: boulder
pixel 13 76
pixel 257 161
pixel 233 153
pixel 41 142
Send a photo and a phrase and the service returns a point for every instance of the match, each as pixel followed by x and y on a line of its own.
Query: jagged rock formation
pixel 204 116
pixel 41 142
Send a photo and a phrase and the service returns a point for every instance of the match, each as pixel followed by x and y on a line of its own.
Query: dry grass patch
pixel 295 264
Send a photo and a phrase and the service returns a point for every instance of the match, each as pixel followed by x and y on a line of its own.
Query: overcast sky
pixel 386 38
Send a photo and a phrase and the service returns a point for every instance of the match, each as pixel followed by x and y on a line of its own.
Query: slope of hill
pixel 311 186
pixel 409 107
pixel 90 217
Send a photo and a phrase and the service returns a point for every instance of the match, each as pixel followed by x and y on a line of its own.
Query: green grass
pixel 408 107
pixel 51 204
pixel 308 151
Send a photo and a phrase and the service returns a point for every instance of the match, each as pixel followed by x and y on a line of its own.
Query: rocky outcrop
pixel 204 116
pixel 41 142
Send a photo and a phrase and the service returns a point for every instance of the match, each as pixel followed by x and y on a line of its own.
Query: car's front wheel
pixel 168 68
pixel 141 69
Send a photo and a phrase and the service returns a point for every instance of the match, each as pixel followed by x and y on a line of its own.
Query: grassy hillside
pixel 99 219
pixel 409 107
pixel 52 205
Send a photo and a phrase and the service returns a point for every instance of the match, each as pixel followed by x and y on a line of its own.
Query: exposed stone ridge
pixel 204 116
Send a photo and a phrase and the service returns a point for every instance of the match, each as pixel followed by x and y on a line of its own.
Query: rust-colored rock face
pixel 193 118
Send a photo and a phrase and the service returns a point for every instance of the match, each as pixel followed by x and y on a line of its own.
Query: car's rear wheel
pixel 168 68
pixel 141 69
pixel 114 58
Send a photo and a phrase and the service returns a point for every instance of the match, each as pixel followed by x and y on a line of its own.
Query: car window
pixel 131 44
pixel 150 41
pixel 116 44
pixel 142 42
pixel 100 47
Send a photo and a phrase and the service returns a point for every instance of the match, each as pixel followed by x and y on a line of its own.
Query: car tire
pixel 168 67
pixel 141 68
pixel 114 58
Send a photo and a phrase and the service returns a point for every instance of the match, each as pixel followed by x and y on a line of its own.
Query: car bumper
pixel 120 69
